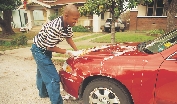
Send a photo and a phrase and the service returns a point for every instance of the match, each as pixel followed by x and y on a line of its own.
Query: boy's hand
pixel 73 53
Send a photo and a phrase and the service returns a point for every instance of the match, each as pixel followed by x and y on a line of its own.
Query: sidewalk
pixel 18 76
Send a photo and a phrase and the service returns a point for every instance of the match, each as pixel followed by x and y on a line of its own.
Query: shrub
pixel 21 40
pixel 4 43
pixel 53 16
pixel 156 32
pixel 80 29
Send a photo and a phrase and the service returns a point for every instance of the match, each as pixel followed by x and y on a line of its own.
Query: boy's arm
pixel 71 43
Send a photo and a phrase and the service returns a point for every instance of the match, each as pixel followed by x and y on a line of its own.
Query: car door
pixel 166 86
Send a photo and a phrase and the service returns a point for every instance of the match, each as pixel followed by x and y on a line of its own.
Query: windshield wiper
pixel 141 46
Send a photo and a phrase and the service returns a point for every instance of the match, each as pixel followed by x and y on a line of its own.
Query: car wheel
pixel 107 29
pixel 117 29
pixel 123 30
pixel 106 91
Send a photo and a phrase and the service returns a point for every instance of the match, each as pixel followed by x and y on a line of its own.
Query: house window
pixel 150 9
pixel 150 12
pixel 26 18
pixel 159 11
pixel 156 8
pixel 159 8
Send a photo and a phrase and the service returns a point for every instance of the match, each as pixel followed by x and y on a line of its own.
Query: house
pixel 148 17
pixel 37 12
pixel 18 18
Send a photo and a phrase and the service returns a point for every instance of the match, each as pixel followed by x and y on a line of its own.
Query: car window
pixel 108 20
pixel 117 20
pixel 163 42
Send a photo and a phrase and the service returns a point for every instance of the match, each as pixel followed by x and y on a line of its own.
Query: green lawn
pixel 29 36
pixel 125 37
pixel 119 37
pixel 87 37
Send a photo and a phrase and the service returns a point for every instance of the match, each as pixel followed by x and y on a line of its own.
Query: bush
pixel 4 43
pixel 53 16
pixel 80 29
pixel 156 32
pixel 21 40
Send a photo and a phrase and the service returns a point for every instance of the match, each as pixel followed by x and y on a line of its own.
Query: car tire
pixel 106 29
pixel 117 29
pixel 95 90
pixel 123 30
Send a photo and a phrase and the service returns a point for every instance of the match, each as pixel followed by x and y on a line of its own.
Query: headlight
pixel 67 68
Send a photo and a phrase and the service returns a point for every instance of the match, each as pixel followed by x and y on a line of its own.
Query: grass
pixel 125 37
pixel 58 61
pixel 119 37
pixel 30 35
pixel 3 48
pixel 78 34
pixel 87 37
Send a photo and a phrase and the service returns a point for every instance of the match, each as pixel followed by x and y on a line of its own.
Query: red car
pixel 132 73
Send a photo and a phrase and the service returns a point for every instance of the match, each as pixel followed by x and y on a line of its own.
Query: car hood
pixel 126 49
pixel 109 51
pixel 93 59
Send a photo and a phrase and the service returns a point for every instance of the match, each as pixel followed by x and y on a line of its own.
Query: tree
pixel 171 8
pixel 125 17
pixel 6 6
pixel 115 7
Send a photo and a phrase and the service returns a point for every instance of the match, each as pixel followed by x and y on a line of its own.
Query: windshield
pixel 161 43
pixel 108 20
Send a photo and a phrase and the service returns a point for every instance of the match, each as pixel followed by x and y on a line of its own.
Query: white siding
pixel 38 15
pixel 18 18
pixel 141 10
pixel 96 23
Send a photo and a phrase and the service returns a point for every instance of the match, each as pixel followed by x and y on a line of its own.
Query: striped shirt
pixel 52 33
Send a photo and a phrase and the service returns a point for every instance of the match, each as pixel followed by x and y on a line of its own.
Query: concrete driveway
pixel 18 76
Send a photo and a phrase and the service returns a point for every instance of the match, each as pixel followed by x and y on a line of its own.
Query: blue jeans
pixel 47 79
